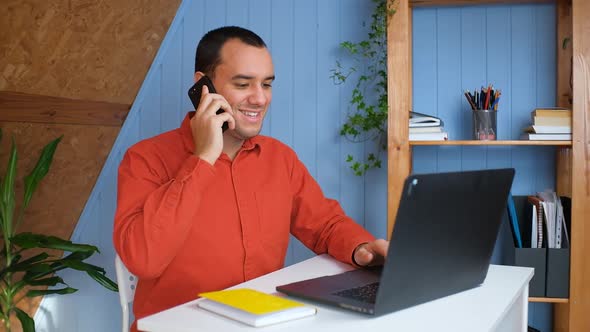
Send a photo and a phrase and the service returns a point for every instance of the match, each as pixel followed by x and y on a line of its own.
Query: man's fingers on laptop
pixel 380 247
pixel 362 256
pixel 371 253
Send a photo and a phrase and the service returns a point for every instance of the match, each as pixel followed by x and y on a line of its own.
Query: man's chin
pixel 245 133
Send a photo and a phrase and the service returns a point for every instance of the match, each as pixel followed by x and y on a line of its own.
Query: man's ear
pixel 198 75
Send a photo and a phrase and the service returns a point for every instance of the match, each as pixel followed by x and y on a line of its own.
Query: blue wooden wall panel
pixel 448 82
pixel 280 121
pixel 304 91
pixel 473 53
pixel 375 202
pixel 498 63
pixel 282 25
pixel 260 18
pixel 498 73
pixel 375 182
pixel 192 27
pixel 304 83
pixel 214 14
pixel 352 195
pixel 329 102
pixel 151 108
pixel 424 70
pixel 237 13
pixel 173 91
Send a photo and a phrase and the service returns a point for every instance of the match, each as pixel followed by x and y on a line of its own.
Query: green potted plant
pixel 27 270
pixel 367 119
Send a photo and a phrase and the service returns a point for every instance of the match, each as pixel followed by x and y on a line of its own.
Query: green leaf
pixel 7 192
pixel 81 266
pixel 1 180
pixel 79 255
pixel 51 281
pixel 29 240
pixel 26 322
pixel 40 270
pixel 25 265
pixel 61 291
pixel 40 170
pixel 104 281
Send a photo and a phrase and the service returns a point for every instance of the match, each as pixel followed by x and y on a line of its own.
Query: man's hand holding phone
pixel 207 122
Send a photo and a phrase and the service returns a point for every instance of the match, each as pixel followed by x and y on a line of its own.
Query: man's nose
pixel 258 96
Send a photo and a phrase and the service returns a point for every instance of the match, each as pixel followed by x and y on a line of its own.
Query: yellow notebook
pixel 253 307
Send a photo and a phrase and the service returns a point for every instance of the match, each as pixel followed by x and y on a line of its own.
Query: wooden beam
pixel 579 319
pixel 425 3
pixel 22 107
pixel 564 54
pixel 399 94
pixel 563 174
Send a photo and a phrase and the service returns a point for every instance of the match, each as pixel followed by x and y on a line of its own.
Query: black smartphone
pixel 194 93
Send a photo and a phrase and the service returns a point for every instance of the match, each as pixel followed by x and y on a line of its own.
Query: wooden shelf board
pixel 548 300
pixel 24 107
pixel 487 143
pixel 426 3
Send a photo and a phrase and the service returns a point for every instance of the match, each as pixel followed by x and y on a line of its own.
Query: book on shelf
pixel 552 121
pixel 535 129
pixel 419 130
pixel 253 307
pixel 440 136
pixel 551 229
pixel 552 111
pixel 424 120
pixel 549 201
pixel 537 229
pixel 546 137
pixel 513 218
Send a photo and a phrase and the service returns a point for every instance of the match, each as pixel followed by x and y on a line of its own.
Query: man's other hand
pixel 371 253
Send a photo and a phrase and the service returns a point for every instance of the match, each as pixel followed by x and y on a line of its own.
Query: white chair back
pixel 127 284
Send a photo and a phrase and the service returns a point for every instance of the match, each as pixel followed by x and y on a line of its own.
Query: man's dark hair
pixel 208 51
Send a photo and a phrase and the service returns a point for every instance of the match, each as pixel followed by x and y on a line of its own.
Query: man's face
pixel 244 77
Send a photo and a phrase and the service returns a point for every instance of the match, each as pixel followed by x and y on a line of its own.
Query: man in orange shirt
pixel 199 209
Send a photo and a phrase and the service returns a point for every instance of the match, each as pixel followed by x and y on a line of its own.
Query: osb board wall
pixel 58 202
pixel 84 49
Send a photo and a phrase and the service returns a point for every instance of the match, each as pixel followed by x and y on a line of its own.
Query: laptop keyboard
pixel 366 293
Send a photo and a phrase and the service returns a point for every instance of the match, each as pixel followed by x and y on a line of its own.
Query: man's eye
pixel 242 85
pixel 267 85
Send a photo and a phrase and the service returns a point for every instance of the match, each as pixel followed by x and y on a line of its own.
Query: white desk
pixel 500 304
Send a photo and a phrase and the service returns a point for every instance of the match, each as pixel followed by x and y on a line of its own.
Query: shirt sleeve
pixel 154 213
pixel 319 222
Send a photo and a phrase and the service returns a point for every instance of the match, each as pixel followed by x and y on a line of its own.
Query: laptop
pixel 441 244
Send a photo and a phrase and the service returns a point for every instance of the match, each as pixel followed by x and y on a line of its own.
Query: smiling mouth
pixel 250 114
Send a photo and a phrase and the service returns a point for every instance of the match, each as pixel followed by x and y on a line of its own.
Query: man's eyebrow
pixel 248 77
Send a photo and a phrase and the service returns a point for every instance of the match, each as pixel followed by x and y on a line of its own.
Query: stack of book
pixel 552 123
pixel 253 307
pixel 426 128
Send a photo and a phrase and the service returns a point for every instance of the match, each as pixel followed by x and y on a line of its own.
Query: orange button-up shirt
pixel 184 226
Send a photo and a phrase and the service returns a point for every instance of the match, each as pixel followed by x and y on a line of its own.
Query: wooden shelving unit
pixel 573 157
pixel 548 300
pixel 493 143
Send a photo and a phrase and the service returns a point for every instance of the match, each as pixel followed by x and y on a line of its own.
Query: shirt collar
pixel 189 144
